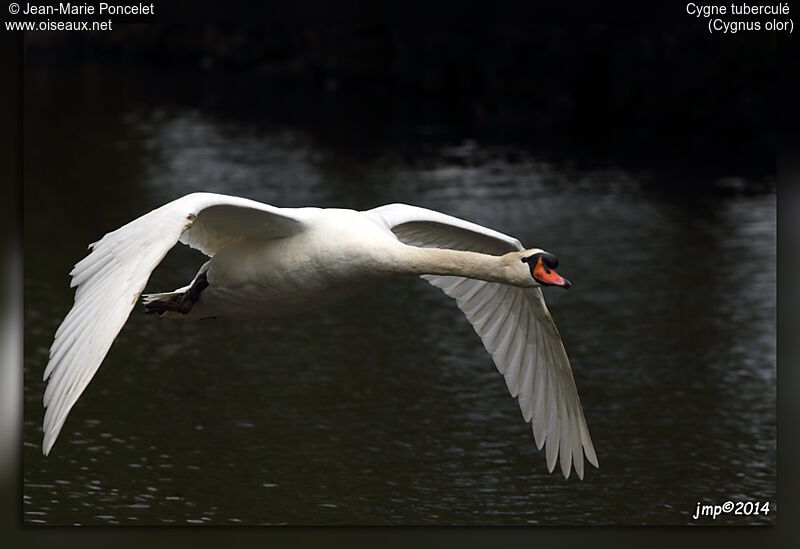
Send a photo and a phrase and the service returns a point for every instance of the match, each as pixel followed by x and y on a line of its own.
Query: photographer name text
pixel 104 8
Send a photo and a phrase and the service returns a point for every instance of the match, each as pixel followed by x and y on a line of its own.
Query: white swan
pixel 268 261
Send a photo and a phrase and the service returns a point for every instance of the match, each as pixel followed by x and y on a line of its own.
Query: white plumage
pixel 268 261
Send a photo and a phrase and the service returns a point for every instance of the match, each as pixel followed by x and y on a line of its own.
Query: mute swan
pixel 268 261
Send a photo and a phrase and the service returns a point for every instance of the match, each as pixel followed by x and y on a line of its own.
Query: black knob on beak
pixel 550 260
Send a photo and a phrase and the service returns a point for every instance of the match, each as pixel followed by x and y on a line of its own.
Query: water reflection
pixel 386 409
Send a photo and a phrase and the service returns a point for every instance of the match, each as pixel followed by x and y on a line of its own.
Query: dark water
pixel 385 409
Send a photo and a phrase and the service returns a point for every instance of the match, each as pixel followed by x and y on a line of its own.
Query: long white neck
pixel 438 261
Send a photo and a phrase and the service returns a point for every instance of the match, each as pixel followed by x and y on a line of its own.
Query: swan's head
pixel 542 267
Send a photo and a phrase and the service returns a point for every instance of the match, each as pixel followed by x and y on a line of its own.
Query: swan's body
pixel 268 261
pixel 254 277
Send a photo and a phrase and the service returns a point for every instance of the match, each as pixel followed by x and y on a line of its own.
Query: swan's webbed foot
pixel 178 303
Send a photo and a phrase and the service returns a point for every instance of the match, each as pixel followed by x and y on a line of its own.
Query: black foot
pixel 178 304
pixel 182 303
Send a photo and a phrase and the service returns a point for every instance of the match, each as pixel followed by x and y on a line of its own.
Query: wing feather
pixel 111 278
pixel 499 325
pixel 539 404
pixel 566 456
pixel 577 454
pixel 414 224
pixel 552 419
pixel 525 379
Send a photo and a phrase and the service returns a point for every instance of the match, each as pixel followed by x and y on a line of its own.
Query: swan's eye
pixel 532 261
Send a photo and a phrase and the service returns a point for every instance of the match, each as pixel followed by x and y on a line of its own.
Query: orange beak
pixel 549 277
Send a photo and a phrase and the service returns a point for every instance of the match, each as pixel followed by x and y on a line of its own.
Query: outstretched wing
pixel 429 229
pixel 111 278
pixel 515 327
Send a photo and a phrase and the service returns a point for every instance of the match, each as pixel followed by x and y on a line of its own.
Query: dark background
pixel 630 95
pixel 636 96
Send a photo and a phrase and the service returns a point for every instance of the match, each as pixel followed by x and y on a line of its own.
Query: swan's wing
pixel 515 327
pixel 426 228
pixel 221 219
pixel 110 279
pixel 517 330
